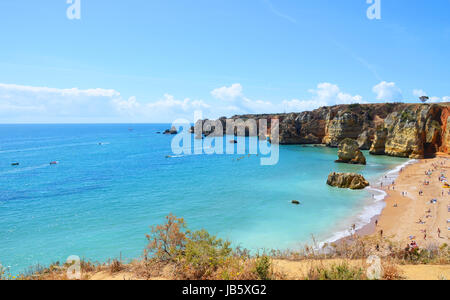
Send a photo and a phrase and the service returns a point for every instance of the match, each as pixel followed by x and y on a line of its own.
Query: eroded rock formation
pixel 396 129
pixel 349 152
pixel 347 181
pixel 172 131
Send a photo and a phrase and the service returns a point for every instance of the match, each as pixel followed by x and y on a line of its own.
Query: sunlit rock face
pixel 349 152
pixel 396 129
pixel 347 181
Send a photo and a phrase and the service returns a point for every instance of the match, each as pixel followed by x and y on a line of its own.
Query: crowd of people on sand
pixel 442 179
pixel 435 167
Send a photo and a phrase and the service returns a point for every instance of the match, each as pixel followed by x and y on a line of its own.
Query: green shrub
pixel 263 267
pixel 354 106
pixel 204 253
pixel 167 241
pixel 336 272
pixel 197 255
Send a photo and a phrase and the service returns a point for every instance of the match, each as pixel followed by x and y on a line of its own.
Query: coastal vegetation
pixel 175 252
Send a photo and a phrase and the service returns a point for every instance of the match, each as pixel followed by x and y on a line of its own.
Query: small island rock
pixel 173 130
pixel 347 180
pixel 349 152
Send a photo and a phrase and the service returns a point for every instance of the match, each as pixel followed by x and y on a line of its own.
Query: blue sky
pixel 157 60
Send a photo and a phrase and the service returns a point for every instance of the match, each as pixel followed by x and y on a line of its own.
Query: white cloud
pixel 228 93
pixel 237 103
pixel 325 94
pixel 387 91
pixel 331 94
pixel 168 107
pixel 19 103
pixel 419 93
pixel 73 92
pixel 296 105
pixel 439 99
pixel 28 104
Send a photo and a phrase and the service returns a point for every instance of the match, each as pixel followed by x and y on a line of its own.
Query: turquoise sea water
pixel 100 200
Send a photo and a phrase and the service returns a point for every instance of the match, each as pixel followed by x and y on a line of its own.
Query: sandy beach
pixel 410 215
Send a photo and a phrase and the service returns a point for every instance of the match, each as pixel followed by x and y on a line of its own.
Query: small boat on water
pixel 54 162
pixel 15 164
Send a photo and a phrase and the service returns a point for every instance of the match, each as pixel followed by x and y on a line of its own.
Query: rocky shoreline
pixel 394 129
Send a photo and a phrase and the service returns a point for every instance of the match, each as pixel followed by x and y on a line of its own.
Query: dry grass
pixel 116 266
pixel 343 271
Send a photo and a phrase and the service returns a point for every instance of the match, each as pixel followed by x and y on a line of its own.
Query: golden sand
pixel 410 216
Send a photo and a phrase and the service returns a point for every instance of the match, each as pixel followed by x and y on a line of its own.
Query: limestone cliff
pixel 396 129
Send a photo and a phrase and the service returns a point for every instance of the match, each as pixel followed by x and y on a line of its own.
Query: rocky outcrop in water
pixel 172 131
pixel 396 129
pixel 349 153
pixel 347 181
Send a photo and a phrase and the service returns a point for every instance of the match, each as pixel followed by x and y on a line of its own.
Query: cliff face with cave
pixel 395 129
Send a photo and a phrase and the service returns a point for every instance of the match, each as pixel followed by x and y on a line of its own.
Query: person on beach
pixel 439 232
pixel 381 233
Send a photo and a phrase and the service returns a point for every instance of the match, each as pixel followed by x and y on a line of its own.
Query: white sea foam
pixel 374 208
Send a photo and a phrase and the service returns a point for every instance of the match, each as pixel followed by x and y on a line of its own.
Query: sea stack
pixel 349 152
pixel 173 131
pixel 347 180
